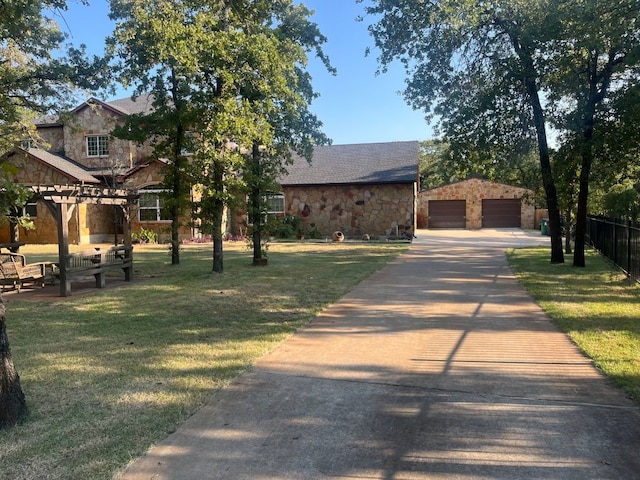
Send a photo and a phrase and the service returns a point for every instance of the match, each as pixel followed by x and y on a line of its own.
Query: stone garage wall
pixel 355 210
pixel 474 191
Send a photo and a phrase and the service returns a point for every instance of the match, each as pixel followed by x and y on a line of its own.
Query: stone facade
pixel 354 207
pixel 53 138
pixel 30 172
pixel 151 174
pixel 354 210
pixel 94 120
pixel 474 191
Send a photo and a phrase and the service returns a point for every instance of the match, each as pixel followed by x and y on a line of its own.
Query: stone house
pixel 475 204
pixel 354 188
pixel 78 149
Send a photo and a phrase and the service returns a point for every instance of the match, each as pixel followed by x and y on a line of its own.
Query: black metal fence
pixel 618 240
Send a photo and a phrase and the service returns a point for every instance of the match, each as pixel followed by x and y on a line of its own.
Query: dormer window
pixel 97 146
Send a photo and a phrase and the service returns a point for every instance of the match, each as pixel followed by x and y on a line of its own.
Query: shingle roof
pixel 394 162
pixel 128 106
pixel 64 165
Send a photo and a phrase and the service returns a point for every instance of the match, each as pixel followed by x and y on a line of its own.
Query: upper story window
pixel 97 145
pixel 151 206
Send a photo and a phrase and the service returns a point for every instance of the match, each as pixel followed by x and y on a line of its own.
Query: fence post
pixel 615 241
pixel 629 223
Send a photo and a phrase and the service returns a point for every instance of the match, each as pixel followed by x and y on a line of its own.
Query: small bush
pixel 144 236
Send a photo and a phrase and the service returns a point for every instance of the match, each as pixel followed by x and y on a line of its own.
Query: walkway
pixel 439 366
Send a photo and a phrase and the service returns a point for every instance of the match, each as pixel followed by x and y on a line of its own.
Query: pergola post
pixel 126 233
pixel 63 248
pixel 61 201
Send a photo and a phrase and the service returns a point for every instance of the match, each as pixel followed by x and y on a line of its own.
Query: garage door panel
pixel 447 213
pixel 501 213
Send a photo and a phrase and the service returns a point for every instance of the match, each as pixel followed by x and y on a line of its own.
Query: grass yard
pixel 597 306
pixel 109 373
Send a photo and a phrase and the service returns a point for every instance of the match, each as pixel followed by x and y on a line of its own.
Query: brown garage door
pixel 447 213
pixel 503 213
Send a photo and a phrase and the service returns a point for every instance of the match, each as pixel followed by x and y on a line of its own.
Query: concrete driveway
pixel 439 366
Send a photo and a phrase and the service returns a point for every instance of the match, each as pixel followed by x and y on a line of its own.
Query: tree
pixel 13 406
pixel 153 46
pixel 32 82
pixel 280 97
pixel 595 65
pixel 476 65
pixel 238 68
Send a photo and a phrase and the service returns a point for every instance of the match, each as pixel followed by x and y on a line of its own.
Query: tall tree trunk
pixel 588 124
pixel 217 214
pixel 583 193
pixel 13 406
pixel 529 76
pixel 567 232
pixel 255 201
pixel 555 225
pixel 177 173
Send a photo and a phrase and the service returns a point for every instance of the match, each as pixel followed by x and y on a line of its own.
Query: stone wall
pixel 151 175
pixel 98 121
pixel 34 172
pixel 355 210
pixel 53 137
pixel 46 228
pixel 474 191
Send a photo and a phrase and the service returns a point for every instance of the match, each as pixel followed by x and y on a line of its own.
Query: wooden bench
pixel 98 261
pixel 15 271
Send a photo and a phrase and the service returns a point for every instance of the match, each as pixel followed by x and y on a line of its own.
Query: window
pixel 30 209
pixel 97 146
pixel 151 206
pixel 274 202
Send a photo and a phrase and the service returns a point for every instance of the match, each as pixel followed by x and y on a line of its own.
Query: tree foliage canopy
pixel 497 74
pixel 226 76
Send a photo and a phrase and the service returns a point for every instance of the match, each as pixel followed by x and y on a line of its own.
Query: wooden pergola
pixel 61 201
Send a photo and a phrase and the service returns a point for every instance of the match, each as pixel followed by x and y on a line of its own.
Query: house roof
pixel 121 106
pixel 366 163
pixel 62 164
pixel 128 106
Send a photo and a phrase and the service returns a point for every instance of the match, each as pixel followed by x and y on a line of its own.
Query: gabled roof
pixel 62 164
pixel 366 163
pixel 121 106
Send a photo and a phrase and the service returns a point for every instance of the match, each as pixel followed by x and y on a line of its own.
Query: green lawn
pixel 597 306
pixel 109 373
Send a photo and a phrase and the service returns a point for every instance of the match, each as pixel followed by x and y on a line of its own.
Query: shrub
pixel 144 236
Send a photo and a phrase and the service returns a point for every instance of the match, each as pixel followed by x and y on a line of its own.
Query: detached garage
pixel 447 213
pixel 474 204
pixel 501 213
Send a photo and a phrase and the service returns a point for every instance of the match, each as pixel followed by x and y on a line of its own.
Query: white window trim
pixel 30 204
pixel 99 138
pixel 157 208
pixel 266 198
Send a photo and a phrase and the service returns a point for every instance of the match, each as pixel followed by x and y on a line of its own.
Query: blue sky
pixel 356 106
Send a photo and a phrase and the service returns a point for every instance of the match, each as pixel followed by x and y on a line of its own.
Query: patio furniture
pixel 15 271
